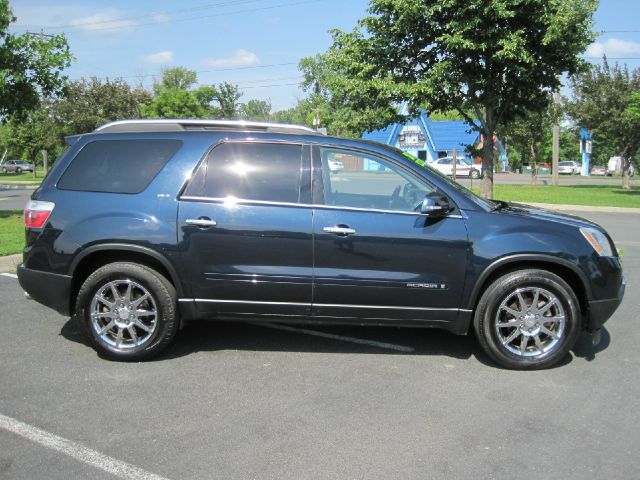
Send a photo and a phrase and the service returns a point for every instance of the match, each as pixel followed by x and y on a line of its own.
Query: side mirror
pixel 435 204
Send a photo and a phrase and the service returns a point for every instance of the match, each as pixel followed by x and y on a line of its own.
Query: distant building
pixel 428 139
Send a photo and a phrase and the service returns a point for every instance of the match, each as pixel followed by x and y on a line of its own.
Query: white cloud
pixel 160 57
pixel 239 58
pixel 613 47
pixel 108 20
pixel 160 17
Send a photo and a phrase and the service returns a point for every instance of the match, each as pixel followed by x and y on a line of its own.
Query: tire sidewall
pixel 162 297
pixel 496 293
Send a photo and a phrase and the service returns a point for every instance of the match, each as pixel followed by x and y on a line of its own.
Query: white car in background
pixel 335 166
pixel 569 168
pixel 464 168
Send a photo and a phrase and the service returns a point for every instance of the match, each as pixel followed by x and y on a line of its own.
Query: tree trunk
pixel 534 164
pixel 486 190
pixel 626 166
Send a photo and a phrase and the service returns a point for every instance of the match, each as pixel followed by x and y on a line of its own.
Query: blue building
pixel 428 139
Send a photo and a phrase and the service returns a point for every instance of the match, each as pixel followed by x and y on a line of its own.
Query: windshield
pixel 461 188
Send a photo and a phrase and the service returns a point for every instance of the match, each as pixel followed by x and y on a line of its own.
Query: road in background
pixel 249 401
pixel 14 198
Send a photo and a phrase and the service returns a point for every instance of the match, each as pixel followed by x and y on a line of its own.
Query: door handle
pixel 339 230
pixel 202 222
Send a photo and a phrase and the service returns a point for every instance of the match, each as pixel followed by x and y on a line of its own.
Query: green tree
pixel 175 103
pixel 494 58
pixel 530 134
pixel 227 96
pixel 175 78
pixel 30 67
pixel 603 101
pixel 334 106
pixel 87 104
pixel 259 110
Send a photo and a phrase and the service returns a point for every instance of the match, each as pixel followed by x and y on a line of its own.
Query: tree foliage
pixel 30 67
pixel 494 58
pixel 603 101
pixel 259 110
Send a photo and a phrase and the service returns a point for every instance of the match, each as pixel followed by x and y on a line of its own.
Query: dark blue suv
pixel 145 224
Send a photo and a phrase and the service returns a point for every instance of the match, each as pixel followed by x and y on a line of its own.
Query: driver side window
pixel 354 179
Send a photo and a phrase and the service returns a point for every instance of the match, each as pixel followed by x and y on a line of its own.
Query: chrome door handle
pixel 201 222
pixel 339 230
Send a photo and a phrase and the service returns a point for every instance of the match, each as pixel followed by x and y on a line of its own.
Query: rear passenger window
pixel 117 166
pixel 251 171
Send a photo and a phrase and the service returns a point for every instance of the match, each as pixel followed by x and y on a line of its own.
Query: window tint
pixel 250 171
pixel 117 166
pixel 369 182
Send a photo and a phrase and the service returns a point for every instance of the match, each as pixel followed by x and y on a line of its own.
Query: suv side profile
pixel 143 225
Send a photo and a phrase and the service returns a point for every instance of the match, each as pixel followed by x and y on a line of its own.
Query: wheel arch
pixel 96 256
pixel 566 270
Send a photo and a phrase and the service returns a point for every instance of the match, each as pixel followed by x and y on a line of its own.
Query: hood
pixel 543 214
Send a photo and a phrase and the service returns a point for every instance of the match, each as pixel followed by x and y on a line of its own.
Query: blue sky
pixel 254 43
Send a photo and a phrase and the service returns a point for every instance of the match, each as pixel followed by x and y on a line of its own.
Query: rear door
pixel 245 230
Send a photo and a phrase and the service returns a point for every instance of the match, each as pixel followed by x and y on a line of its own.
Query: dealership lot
pixel 251 401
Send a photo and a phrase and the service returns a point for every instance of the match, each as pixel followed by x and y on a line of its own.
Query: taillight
pixel 36 213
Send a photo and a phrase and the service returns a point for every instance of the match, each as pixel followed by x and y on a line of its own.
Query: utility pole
pixel 555 156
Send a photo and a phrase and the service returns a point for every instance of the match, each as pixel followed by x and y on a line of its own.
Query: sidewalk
pixel 9 263
pixel 19 185
pixel 583 208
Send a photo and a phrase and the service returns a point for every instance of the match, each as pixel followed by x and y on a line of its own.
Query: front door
pixel 374 256
pixel 245 234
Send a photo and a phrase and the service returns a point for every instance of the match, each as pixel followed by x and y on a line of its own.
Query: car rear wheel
pixel 528 319
pixel 127 311
pixel 474 174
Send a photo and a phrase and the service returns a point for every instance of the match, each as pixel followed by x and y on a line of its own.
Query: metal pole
pixel 454 163
pixel 556 145
pixel 45 161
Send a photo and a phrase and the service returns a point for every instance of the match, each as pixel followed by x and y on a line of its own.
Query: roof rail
pixel 182 124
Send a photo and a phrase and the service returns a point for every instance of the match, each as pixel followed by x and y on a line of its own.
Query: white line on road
pixel 75 450
pixel 362 341
pixel 12 275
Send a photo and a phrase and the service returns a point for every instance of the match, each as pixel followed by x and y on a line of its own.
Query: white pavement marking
pixel 12 275
pixel 75 450
pixel 362 341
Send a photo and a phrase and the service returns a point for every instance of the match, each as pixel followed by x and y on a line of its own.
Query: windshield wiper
pixel 499 204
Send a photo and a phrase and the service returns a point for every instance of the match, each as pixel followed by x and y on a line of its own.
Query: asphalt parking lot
pixel 257 402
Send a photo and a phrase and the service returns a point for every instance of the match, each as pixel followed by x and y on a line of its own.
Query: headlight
pixel 598 241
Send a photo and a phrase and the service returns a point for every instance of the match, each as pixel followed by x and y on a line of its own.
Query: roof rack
pixel 181 124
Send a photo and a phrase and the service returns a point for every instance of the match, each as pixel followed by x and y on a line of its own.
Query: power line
pixel 222 14
pixel 147 15
pixel 215 70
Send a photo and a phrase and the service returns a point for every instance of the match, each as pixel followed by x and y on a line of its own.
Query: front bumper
pixel 50 289
pixel 601 310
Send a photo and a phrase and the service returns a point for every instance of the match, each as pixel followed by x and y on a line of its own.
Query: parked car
pixel 614 167
pixel 335 165
pixel 569 168
pixel 16 166
pixel 142 226
pixel 464 168
pixel 598 170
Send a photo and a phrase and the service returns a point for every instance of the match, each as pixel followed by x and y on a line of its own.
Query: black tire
pixel 539 353
pixel 18 170
pixel 474 174
pixel 162 298
pixel 4 170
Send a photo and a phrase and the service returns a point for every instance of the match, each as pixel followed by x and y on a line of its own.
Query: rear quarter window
pixel 117 166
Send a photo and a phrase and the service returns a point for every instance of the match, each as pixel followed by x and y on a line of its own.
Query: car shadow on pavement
pixel 212 336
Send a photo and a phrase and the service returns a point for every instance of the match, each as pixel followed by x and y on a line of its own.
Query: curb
pixel 9 263
pixel 585 208
pixel 19 186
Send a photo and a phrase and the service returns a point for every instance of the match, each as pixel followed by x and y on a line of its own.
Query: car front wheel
pixel 474 174
pixel 528 319
pixel 18 170
pixel 127 311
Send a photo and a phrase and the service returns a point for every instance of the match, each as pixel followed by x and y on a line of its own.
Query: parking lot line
pixel 77 451
pixel 342 338
pixel 12 275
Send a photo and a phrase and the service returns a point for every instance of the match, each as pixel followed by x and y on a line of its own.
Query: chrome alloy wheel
pixel 530 321
pixel 123 314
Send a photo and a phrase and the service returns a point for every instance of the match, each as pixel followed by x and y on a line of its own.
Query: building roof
pixel 443 136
